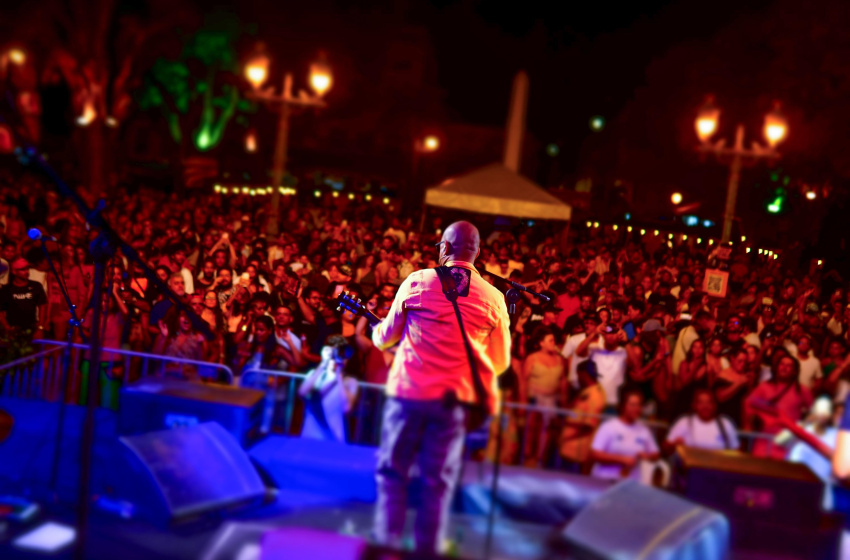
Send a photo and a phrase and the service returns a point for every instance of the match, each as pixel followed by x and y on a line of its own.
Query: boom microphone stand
pixel 73 323
pixel 102 248
pixel 512 296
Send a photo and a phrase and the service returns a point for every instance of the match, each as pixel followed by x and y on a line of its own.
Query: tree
pixel 197 90
pixel 96 47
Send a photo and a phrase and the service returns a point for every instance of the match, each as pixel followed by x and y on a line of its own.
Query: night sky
pixel 583 58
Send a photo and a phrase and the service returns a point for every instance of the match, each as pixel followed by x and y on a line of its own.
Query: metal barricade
pixel 363 421
pixel 135 364
pixel 39 376
pixel 35 376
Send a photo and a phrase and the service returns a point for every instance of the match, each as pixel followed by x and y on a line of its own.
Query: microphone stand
pixel 512 296
pixel 102 249
pixel 73 323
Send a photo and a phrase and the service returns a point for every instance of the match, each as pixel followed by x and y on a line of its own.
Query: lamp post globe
pixel 775 127
pixel 707 120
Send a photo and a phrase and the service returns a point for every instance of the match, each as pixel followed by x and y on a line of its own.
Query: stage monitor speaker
pixel 741 485
pixel 176 475
pixel 763 497
pixel 157 404
pixel 635 521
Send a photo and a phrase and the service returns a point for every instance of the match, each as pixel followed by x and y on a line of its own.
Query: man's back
pixel 431 359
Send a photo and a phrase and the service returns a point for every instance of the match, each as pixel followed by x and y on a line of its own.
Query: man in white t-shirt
pixel 571 345
pixel 704 429
pixel 610 359
pixel 622 442
pixel 810 369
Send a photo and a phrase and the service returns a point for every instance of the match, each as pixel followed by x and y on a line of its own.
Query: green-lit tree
pixel 197 90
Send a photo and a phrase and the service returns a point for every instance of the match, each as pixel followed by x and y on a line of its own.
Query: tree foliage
pixel 197 90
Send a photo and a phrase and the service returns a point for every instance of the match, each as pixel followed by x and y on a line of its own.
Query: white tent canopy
pixel 495 189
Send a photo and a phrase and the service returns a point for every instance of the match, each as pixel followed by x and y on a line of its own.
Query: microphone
pixel 36 235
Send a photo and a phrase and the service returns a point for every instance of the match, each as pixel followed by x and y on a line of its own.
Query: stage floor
pixel 113 538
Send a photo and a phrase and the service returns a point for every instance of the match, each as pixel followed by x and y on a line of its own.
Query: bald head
pixel 462 240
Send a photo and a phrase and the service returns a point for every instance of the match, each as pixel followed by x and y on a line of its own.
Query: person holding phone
pixel 650 366
pixel 604 348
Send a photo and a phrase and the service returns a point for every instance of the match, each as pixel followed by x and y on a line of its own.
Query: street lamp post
pixel 775 130
pixel 256 72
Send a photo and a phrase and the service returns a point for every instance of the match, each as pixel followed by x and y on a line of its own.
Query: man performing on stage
pixel 430 380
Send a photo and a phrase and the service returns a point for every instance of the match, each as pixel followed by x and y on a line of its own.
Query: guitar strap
pixel 451 293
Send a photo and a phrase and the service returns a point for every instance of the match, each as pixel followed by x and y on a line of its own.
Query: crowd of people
pixel 629 333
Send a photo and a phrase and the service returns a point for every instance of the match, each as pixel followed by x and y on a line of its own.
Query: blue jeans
pixel 434 431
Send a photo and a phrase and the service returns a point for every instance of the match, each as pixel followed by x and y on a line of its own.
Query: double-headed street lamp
pixel 775 130
pixel 321 79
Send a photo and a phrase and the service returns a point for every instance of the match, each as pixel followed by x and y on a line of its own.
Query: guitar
pixel 345 302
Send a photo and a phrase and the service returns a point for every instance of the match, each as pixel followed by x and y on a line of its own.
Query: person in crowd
pixel 692 375
pixel 287 339
pixel 23 304
pixel 649 365
pixel 621 443
pixel 328 393
pixel 714 360
pixel 786 395
pixel 177 285
pixel 703 428
pixel 610 360
pixel 821 426
pixel 66 262
pixel 544 384
pixel 179 339
pixel 579 427
pixel 261 351
pixel 811 374
pixel 732 386
pixel 114 316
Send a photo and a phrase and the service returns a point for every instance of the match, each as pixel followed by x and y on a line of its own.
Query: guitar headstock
pixel 346 302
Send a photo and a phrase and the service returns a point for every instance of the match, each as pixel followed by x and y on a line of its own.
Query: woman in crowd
pixel 714 359
pixel 784 394
pixel 621 443
pixel 179 339
pixel 703 427
pixel 732 386
pixel 542 383
pixel 692 375
pixel 111 370
pixel 365 274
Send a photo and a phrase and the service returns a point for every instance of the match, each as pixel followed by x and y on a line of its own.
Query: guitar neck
pixel 371 317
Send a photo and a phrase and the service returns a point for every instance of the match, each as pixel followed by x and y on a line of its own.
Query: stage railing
pixel 364 420
pixel 33 376
pixel 39 375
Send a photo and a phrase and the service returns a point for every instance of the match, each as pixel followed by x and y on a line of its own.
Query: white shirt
pixel 569 353
pixel 188 281
pixel 704 435
pixel 617 437
pixel 283 364
pixel 803 453
pixel 809 371
pixel 611 368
